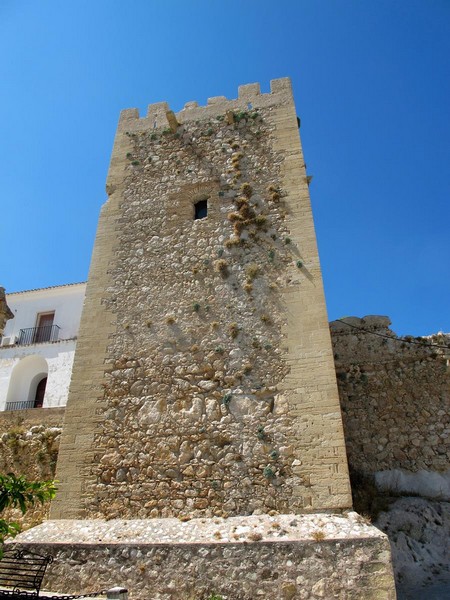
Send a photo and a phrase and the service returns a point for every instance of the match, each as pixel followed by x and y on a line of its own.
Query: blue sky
pixel 372 86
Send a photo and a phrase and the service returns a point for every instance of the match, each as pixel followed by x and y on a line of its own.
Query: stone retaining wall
pixel 241 558
pixel 29 443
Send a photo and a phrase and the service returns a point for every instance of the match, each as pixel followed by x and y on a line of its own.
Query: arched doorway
pixel 27 376
pixel 40 393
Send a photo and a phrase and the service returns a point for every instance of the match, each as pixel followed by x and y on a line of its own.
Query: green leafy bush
pixel 18 492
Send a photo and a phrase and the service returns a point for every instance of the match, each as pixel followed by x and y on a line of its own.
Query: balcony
pixel 21 405
pixel 38 335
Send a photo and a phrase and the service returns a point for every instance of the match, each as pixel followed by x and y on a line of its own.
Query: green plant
pixel 135 163
pixel 271 255
pixel 261 433
pixel 240 115
pixel 219 350
pixel 274 454
pixel 153 136
pixel 299 264
pixel 215 597
pixel 287 240
pixel 18 492
pixel 268 472
pixel 226 399
pixel 196 307
pixel 129 155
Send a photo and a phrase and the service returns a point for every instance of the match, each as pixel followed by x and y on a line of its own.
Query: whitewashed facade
pixel 38 346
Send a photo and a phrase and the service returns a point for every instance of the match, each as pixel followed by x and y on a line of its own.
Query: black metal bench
pixel 22 573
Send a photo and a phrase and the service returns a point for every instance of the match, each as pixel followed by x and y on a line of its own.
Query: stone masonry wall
pixel 395 396
pixel 287 557
pixel 29 443
pixel 203 381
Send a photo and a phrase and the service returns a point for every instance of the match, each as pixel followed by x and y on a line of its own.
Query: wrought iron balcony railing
pixel 22 405
pixel 38 335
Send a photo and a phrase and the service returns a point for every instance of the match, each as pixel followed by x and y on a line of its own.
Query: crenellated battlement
pixel 249 96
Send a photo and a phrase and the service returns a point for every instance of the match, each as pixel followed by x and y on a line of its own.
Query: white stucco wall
pixel 23 366
pixel 65 301
pixel 59 359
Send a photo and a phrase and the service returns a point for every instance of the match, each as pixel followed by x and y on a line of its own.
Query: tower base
pixel 239 558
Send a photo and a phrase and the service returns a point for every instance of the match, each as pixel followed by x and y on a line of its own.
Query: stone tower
pixel 5 312
pixel 204 382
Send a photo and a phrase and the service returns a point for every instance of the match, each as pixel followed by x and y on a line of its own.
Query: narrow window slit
pixel 201 209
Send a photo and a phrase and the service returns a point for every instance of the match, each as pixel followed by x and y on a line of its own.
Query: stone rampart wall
pixel 29 443
pixel 395 396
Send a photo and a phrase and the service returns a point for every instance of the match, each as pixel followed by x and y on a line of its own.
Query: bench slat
pixel 22 571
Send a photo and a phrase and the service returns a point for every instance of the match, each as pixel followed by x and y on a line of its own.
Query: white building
pixel 38 346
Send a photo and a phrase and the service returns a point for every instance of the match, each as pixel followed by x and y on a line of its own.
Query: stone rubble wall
pixel 240 558
pixel 29 444
pixel 395 396
pixel 5 311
